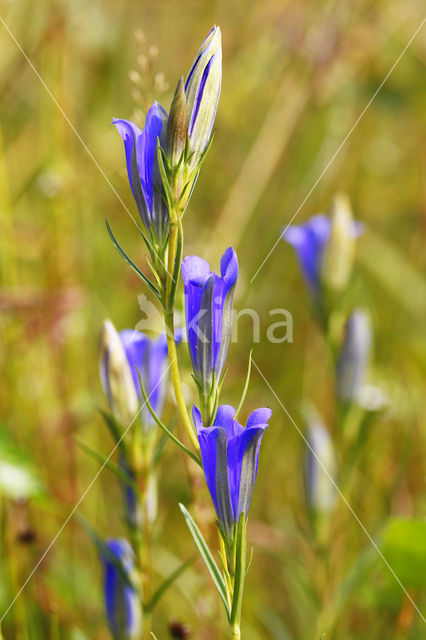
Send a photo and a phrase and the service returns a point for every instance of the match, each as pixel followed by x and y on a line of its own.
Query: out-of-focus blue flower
pixel 230 455
pixel 354 354
pixel 149 357
pixel 202 90
pixel 310 241
pixel 208 307
pixel 125 353
pixel 144 174
pixel 321 493
pixel 122 602
pixel 116 376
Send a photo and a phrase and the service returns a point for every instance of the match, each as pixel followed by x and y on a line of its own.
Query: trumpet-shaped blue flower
pixel 122 602
pixel 123 354
pixel 143 171
pixel 149 357
pixel 230 455
pixel 202 90
pixel 353 358
pixel 208 307
pixel 310 241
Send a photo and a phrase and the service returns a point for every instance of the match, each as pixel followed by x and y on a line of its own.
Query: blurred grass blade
pixel 18 477
pixel 394 273
pixel 206 556
pixel 113 427
pixel 131 263
pixel 165 585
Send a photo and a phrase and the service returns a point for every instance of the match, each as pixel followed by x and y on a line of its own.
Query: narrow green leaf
pixel 166 584
pixel 240 570
pixel 164 428
pixel 164 177
pixel 206 556
pixel 144 237
pixel 246 385
pixel 177 265
pixel 162 441
pixel 249 560
pixel 131 263
pixel 114 428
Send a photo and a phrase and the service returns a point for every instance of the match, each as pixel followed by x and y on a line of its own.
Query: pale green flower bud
pixel 177 126
pixel 339 253
pixel 320 467
pixel 116 376
pixel 354 355
pixel 202 89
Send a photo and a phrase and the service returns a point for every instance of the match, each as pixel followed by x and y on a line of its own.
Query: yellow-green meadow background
pixel 296 77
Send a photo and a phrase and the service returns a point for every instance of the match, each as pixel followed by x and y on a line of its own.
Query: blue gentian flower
pixel 125 353
pixel 122 602
pixel 310 241
pixel 202 90
pixel 208 307
pixel 230 455
pixel 143 171
pixel 353 358
pixel 149 357
pixel 320 491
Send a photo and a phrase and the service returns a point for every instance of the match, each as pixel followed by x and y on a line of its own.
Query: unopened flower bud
pixel 177 127
pixel 122 601
pixel 354 355
pixel 320 467
pixel 116 376
pixel 202 89
pixel 339 253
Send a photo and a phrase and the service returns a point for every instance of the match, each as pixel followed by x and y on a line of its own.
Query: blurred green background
pixel 296 77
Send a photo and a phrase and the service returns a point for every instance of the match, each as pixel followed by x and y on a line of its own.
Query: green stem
pixel 175 375
pixel 236 632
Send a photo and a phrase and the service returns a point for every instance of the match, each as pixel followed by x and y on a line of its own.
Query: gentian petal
pixel 132 137
pixel 249 445
pixel 208 307
pixel 136 346
pixel 258 417
pixel 213 447
pixel 195 270
pixel 196 418
pixel 225 419
pixel 149 358
pixel 229 269
pixel 142 168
